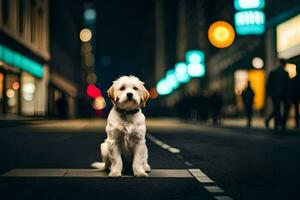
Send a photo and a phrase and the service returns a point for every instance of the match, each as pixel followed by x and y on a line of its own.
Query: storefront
pixel 23 84
pixel 62 97
pixel 288 43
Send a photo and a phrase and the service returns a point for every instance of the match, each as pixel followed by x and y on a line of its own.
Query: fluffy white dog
pixel 125 128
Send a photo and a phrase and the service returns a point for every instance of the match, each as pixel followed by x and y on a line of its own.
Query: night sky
pixel 124 34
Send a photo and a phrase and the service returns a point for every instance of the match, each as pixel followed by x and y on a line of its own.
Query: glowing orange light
pixel 257 82
pixel 16 85
pixel 221 34
pixel 99 103
pixel 153 93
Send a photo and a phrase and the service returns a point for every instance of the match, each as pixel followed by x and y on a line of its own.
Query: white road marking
pixel 222 198
pixel 197 173
pixel 214 189
pixel 188 164
pixel 204 179
pixel 163 145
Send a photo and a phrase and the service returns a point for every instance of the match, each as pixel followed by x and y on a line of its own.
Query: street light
pixel 85 35
pixel 221 34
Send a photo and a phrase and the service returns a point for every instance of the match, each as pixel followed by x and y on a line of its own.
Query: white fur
pixel 125 133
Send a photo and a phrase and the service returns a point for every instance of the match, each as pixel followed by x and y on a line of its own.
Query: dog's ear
pixel 145 95
pixel 111 93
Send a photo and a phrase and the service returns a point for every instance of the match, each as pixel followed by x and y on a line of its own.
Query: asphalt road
pixel 234 163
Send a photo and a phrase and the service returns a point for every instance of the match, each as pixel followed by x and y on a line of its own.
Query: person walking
pixel 295 95
pixel 277 89
pixel 216 104
pixel 248 99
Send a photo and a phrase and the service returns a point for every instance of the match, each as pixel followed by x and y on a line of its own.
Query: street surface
pixel 50 159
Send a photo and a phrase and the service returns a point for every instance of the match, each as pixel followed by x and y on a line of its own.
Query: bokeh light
pixel 196 70
pixel 99 103
pixel 90 14
pixel 171 79
pixel 91 78
pixel 93 91
pixel 163 88
pixel 257 63
pixel 153 93
pixel 85 35
pixel 221 34
pixel 10 93
pixel 16 85
pixel 181 72
pixel 291 69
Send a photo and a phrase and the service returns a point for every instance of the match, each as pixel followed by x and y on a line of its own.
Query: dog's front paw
pixel 141 174
pixel 115 174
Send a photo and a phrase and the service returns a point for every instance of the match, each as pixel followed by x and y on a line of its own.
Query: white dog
pixel 125 128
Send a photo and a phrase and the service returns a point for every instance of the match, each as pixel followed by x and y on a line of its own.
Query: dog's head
pixel 128 93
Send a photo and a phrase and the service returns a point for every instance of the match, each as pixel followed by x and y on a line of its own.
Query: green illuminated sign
pixel 22 62
pixel 249 22
pixel 249 4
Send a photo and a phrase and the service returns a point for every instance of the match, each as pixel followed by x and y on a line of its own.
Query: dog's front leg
pixel 115 159
pixel 140 152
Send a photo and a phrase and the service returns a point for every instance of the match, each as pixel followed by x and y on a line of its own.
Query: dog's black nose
pixel 129 95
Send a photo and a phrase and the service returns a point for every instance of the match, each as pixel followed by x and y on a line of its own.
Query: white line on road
pixel 197 173
pixel 163 145
pixel 213 189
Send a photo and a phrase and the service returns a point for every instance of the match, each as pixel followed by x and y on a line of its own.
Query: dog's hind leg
pixel 104 153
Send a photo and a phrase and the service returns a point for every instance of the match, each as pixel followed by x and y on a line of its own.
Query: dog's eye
pixel 135 88
pixel 122 88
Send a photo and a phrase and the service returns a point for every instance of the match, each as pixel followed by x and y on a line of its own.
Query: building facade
pixel 24 57
pixel 66 73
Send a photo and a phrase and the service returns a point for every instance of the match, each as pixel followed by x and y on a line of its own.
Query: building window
pixel 5 11
pixel 21 15
pixel 33 19
pixel 40 27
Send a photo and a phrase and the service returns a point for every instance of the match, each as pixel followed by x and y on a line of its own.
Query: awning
pixel 63 84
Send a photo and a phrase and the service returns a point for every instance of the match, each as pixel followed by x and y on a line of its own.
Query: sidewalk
pixel 256 123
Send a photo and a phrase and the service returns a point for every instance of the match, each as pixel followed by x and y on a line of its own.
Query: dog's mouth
pixel 130 100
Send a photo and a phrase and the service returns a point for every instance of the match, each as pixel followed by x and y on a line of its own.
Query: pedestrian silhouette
pixel 277 89
pixel 248 99
pixel 269 118
pixel 295 95
pixel 216 104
